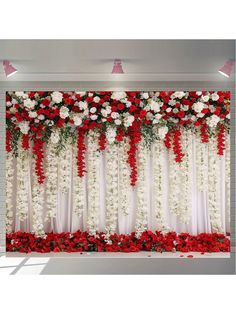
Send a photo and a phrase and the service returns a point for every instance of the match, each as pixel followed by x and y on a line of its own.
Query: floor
pixel 103 263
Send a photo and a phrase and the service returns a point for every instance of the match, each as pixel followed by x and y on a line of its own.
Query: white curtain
pixel 66 220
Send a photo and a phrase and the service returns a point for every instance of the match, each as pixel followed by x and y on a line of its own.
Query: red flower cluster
pixel 167 140
pixel 38 152
pixel 221 140
pixel 8 141
pixel 81 152
pixel 148 241
pixel 204 134
pixel 25 142
pixel 177 145
pixel 102 142
pixel 134 138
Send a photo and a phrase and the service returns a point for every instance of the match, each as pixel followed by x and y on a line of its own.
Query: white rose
pixel 9 104
pixel 154 106
pixel 111 135
pixel 179 95
pixel 162 132
pixel 198 106
pixel 215 97
pixel 33 114
pixel 115 115
pixel 193 118
pixel 212 108
pixel 118 95
pixel 55 137
pixel 168 109
pixel 83 105
pixel 81 93
pixel 149 116
pixel 118 122
pixel 24 127
pixel 205 98
pixel 172 102
pixel 145 95
pixel 93 117
pixel 57 97
pixel 228 116
pixel 213 120
pixel 12 110
pixel 21 94
pixel 96 99
pixel 175 110
pixel 90 94
pixel 64 112
pixel 108 109
pixel 41 117
pixel 30 104
pixel 155 121
pixel 77 120
pixel 104 112
pixel 128 104
pixel 158 116
pixel 93 109
pixel 128 121
pixel 200 115
pixel 199 93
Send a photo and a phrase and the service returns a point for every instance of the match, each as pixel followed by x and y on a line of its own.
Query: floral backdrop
pixel 44 127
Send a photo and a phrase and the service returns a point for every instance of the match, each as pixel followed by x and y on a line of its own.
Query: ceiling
pixel 93 59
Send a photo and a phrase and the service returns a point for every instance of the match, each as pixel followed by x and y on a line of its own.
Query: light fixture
pixel 227 68
pixel 117 67
pixel 8 68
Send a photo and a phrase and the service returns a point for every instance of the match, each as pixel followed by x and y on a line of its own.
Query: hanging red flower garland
pixel 102 141
pixel 8 141
pixel 204 134
pixel 167 140
pixel 38 152
pixel 25 142
pixel 177 149
pixel 81 152
pixel 134 133
pixel 221 140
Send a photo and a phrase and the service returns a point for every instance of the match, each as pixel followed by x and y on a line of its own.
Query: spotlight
pixel 8 68
pixel 227 68
pixel 117 67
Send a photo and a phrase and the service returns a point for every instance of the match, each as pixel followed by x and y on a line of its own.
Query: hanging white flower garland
pixel 158 200
pixel 213 187
pixel 37 206
pixel 64 168
pixel 227 176
pixel 186 178
pixel 52 180
pixel 22 167
pixel 141 223
pixel 201 163
pixel 124 178
pixel 78 186
pixel 9 192
pixel 93 182
pixel 112 196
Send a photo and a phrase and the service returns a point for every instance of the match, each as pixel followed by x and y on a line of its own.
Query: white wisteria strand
pixel 22 167
pixel 93 182
pixel 158 173
pixel 141 223
pixel 112 196
pixel 213 187
pixel 52 180
pixel 64 168
pixel 227 177
pixel 78 186
pixel 9 192
pixel 185 205
pixel 37 207
pixel 201 163
pixel 124 178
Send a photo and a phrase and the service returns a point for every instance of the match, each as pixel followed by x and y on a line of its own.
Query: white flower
pixel 21 94
pixel 228 116
pixel 83 105
pixel 205 98
pixel 8 104
pixel 110 135
pixel 149 116
pixel 128 120
pixel 154 106
pixel 200 115
pixel 198 106
pixel 13 110
pixel 115 115
pixel 158 116
pixel 212 108
pixel 24 127
pixel 213 120
pixel 128 104
pixel 57 97
pixel 41 117
pixel 93 117
pixel 90 94
pixel 55 137
pixel 77 120
pixel 108 109
pixel 118 95
pixel 175 110
pixel 162 132
pixel 179 94
pixel 199 93
pixel 33 114
pixel 117 121
pixel 215 97
pixel 93 109
pixel 104 112
pixel 96 99
pixel 168 109
pixel 64 112
pixel 81 93
pixel 30 104
pixel 145 95
pixel 172 102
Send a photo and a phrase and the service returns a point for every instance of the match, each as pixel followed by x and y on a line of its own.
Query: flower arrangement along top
pixel 58 116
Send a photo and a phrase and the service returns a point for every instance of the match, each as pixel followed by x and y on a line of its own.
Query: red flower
pixel 181 114
pixel 221 140
pixel 60 123
pixel 177 145
pixel 81 152
pixel 132 108
pixel 142 114
pixel 38 152
pixel 120 106
pixel 102 141
pixel 204 134
pixel 8 141
pixel 25 142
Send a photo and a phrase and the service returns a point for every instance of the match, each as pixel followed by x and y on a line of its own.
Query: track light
pixel 227 68
pixel 117 67
pixel 8 68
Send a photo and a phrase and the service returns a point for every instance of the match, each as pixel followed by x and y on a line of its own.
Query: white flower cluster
pixel 158 200
pixel 112 196
pixel 185 205
pixel 141 223
pixel 212 121
pixel 37 207
pixel 128 119
pixel 24 127
pixel 162 131
pixel 110 135
pixel 22 168
pixel 227 177
pixel 64 168
pixel 9 192
pixel 213 186
pixel 124 178
pixel 93 182
pixel 57 97
pixel 201 164
pixel 78 187
pixel 51 179
pixel 29 104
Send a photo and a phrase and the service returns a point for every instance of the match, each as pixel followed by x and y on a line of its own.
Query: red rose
pixel 205 110
pixel 121 106
pixel 132 108
pixel 109 119
pixel 164 107
pixel 60 123
pixel 45 102
pixel 137 101
pixel 113 109
pixel 142 114
pixel 177 105
pixel 181 114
